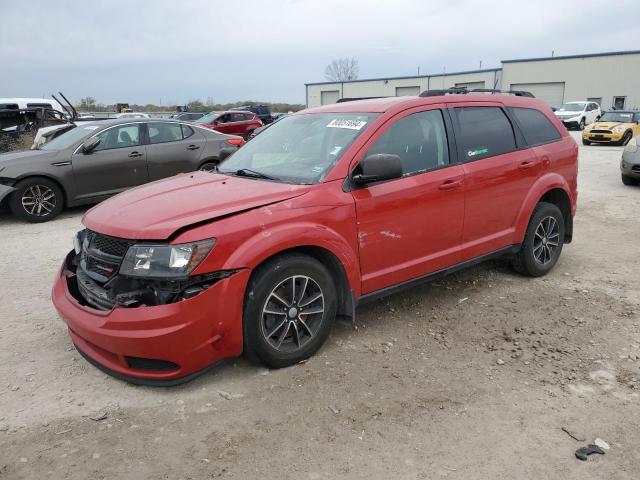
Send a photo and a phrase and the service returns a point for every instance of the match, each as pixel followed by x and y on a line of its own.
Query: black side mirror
pixel 378 167
pixel 90 145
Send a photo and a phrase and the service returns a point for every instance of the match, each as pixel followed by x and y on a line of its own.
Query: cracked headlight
pixel 165 261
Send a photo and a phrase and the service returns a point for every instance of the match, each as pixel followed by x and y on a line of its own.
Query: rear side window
pixel 164 132
pixel 187 131
pixel 484 132
pixel 535 126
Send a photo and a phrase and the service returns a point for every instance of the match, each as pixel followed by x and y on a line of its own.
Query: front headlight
pixel 618 129
pixel 588 128
pixel 165 261
pixel 632 146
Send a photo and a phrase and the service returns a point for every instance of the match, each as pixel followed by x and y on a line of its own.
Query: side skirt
pixel 510 250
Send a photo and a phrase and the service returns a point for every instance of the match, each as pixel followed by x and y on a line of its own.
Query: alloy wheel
pixel 546 240
pixel 292 314
pixel 39 200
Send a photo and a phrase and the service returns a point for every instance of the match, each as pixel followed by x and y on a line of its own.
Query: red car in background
pixel 232 123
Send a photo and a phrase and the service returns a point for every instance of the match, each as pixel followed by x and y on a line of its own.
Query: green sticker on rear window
pixel 478 151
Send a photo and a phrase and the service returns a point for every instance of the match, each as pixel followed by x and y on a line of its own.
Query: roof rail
pixel 347 99
pixel 465 90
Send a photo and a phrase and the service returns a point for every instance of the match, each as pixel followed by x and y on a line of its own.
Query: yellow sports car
pixel 617 127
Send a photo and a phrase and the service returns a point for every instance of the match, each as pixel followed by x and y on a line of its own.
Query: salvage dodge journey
pixel 328 208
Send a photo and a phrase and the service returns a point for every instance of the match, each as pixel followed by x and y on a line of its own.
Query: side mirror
pixel 378 167
pixel 90 145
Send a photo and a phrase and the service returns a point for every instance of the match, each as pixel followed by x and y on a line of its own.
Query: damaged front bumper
pixel 158 344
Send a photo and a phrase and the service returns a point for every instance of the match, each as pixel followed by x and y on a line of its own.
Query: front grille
pixel 635 169
pixel 102 255
pixel 601 131
pixel 151 364
pixel 111 246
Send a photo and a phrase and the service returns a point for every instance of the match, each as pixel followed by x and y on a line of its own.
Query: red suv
pixel 326 209
pixel 232 123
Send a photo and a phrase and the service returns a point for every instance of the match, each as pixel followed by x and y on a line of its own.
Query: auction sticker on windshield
pixel 344 123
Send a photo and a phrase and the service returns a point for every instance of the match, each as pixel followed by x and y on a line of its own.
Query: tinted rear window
pixel 535 126
pixel 484 132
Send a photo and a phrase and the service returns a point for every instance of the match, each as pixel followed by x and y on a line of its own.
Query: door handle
pixel 526 165
pixel 135 154
pixel 193 147
pixel 450 185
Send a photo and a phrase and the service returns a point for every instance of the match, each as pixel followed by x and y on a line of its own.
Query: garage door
pixel 329 96
pixel 553 93
pixel 470 85
pixel 407 91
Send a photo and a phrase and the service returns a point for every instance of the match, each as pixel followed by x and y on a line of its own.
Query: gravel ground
pixel 468 377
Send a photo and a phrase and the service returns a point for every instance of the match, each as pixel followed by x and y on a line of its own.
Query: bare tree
pixel 342 69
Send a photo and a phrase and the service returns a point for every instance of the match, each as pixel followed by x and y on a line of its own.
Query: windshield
pixel 571 107
pixel 208 117
pixel 69 138
pixel 299 149
pixel 620 117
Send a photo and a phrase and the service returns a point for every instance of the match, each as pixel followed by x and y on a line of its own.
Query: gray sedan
pixel 93 161
pixel 630 163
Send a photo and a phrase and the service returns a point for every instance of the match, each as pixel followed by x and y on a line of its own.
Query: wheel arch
pixel 552 188
pixel 209 159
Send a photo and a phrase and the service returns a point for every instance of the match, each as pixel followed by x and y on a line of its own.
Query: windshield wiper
pixel 247 172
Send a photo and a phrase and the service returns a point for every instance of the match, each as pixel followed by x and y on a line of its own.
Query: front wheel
pixel 586 142
pixel 627 180
pixel 290 306
pixel 36 200
pixel 542 243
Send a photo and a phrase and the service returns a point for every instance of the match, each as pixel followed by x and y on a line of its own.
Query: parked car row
pixel 96 160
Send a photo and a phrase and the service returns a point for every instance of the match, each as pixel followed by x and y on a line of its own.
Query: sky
pixel 173 51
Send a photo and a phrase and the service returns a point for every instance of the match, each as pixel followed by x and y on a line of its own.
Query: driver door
pixel 411 226
pixel 117 163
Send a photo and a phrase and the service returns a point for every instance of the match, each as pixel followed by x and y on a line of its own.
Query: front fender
pixel 278 238
pixel 544 184
pixel 5 190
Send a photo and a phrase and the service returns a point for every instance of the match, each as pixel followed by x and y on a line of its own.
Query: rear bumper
pixel 159 345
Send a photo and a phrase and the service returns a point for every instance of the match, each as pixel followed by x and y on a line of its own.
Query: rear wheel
pixel 581 124
pixel 290 306
pixel 542 243
pixel 627 180
pixel 626 138
pixel 36 200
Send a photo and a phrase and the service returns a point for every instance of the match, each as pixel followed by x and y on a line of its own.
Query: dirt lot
pixel 469 377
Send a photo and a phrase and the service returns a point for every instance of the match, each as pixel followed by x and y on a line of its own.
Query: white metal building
pixel 610 79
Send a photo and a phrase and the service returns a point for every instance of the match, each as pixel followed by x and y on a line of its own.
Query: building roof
pixel 485 70
pixel 568 57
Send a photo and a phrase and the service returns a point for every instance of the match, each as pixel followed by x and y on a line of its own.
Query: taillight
pixel 238 142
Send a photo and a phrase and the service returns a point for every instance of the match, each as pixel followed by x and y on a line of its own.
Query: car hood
pixel 22 161
pixel 156 210
pixel 606 125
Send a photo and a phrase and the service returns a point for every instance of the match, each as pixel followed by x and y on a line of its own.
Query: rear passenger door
pixel 498 172
pixel 173 148
pixel 410 226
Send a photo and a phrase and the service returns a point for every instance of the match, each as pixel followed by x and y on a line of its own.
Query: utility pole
pixel 480 64
pixel 418 71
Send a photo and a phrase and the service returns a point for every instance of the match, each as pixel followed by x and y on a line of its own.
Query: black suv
pixel 262 111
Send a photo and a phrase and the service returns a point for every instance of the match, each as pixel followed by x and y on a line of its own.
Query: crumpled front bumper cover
pixel 193 334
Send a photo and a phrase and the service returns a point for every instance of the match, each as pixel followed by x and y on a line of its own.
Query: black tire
pixel 581 124
pixel 208 166
pixel 538 255
pixel 630 181
pixel 36 200
pixel 626 138
pixel 305 332
pixel 248 135
pixel 586 142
